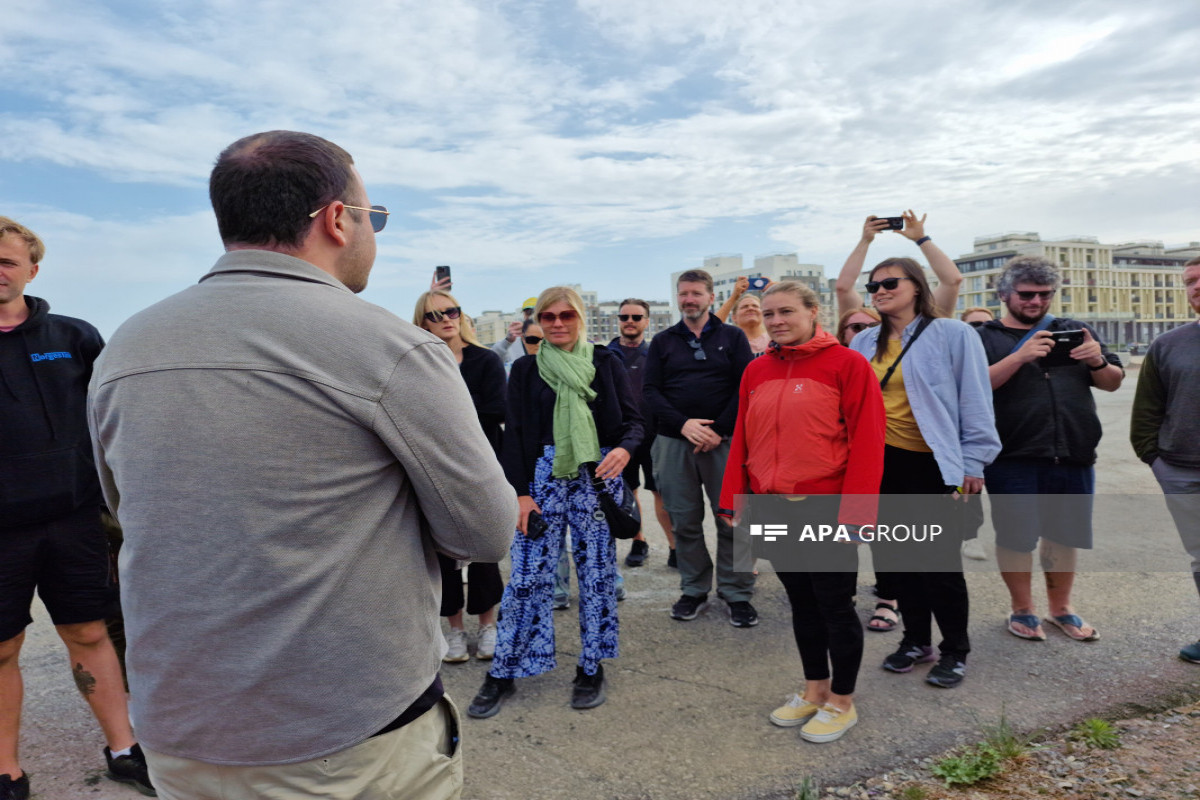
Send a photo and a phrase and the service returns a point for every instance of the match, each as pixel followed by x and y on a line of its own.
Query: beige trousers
pixel 419 761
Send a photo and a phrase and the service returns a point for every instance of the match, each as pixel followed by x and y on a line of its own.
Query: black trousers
pixel 485 587
pixel 826 626
pixel 927 596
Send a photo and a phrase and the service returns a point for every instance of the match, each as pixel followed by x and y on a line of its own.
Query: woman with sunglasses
pixel 746 312
pixel 810 423
pixel 941 433
pixel 570 416
pixel 440 314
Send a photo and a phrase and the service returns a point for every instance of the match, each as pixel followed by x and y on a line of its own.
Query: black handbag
pixel 624 521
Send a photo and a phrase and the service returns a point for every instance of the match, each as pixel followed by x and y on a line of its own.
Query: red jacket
pixel 810 421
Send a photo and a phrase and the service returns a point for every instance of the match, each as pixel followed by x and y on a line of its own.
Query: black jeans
pixel 824 622
pixel 927 596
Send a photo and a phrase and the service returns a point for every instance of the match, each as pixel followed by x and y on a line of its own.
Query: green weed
pixel 970 765
pixel 1096 732
pixel 808 789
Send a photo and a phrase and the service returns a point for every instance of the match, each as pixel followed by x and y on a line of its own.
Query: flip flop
pixel 1061 622
pixel 1029 621
pixel 888 624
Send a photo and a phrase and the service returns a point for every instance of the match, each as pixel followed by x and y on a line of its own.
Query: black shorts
pixel 641 458
pixel 66 560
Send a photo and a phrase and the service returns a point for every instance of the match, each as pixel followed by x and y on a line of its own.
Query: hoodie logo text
pixel 48 356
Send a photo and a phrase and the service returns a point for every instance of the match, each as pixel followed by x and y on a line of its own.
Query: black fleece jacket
pixel 529 423
pixel 46 464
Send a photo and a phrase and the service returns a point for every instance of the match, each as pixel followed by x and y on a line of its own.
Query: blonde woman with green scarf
pixel 569 408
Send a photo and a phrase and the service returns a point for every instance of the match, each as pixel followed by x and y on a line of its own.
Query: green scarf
pixel 569 373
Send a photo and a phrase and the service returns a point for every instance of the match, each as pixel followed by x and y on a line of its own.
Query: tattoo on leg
pixel 84 680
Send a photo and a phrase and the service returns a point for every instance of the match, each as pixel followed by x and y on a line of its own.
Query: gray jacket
pixel 285 458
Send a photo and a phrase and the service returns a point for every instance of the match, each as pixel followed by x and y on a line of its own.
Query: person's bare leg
pixel 664 519
pixel 1016 569
pixel 11 692
pixel 817 692
pixel 455 620
pixel 97 674
pixel 486 618
pixel 1058 562
pixel 842 702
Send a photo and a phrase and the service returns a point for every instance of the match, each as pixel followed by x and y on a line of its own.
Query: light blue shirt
pixel 946 379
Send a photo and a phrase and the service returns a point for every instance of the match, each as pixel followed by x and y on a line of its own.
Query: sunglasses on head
pixel 447 313
pixel 859 327
pixel 1045 294
pixel 886 283
pixel 698 350
pixel 549 318
pixel 379 214
pixel 634 317
pixel 531 339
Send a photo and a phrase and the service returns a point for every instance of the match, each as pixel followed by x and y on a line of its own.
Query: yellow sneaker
pixel 829 724
pixel 794 712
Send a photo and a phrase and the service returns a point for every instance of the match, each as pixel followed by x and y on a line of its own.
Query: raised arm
pixel 847 298
pixel 739 288
pixel 945 296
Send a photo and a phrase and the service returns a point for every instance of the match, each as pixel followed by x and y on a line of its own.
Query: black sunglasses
pixel 859 327
pixel 1045 294
pixel 530 339
pixel 886 283
pixel 448 313
pixel 699 351
pixel 634 317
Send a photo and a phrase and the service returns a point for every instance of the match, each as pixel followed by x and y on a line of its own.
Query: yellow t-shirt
pixel 902 430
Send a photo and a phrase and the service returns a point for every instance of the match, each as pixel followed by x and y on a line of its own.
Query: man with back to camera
pixel 1164 425
pixel 51 537
pixel 285 459
pixel 633 317
pixel 1046 418
pixel 693 371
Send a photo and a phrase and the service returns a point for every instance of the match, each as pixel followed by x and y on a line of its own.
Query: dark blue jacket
pixel 678 387
pixel 531 408
pixel 46 464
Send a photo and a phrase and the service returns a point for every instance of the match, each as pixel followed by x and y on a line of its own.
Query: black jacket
pixel 678 387
pixel 483 372
pixel 531 406
pixel 46 464
pixel 1044 412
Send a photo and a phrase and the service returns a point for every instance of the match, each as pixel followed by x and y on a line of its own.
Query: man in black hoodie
pixel 51 539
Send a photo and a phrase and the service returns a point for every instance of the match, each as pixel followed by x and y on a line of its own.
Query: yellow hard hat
pixel 530 302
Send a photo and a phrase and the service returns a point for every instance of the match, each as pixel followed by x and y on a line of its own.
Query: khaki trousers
pixel 419 761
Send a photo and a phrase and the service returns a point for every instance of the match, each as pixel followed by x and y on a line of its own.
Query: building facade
pixel 1130 293
pixel 726 269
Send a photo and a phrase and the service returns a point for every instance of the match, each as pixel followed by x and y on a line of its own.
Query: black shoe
pixel 742 614
pixel 673 563
pixel 14 790
pixel 589 689
pixel 130 769
pixel 907 656
pixel 490 697
pixel 948 672
pixel 689 607
pixel 637 553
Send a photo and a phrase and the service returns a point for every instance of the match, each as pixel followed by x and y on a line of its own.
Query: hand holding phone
pixel 441 278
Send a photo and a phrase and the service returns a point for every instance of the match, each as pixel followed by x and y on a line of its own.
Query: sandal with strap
pixel 883 624
pixel 1031 622
pixel 1074 621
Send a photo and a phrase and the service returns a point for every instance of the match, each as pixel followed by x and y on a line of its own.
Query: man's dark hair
pixel 633 301
pixel 264 186
pixel 696 276
pixel 1026 269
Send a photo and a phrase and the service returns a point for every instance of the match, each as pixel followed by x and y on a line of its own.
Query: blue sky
pixel 601 142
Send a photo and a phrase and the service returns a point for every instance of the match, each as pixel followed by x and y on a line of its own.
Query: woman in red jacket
pixel 811 423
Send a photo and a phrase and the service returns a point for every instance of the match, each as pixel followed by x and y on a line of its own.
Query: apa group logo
pixel 850 533
pixel 48 356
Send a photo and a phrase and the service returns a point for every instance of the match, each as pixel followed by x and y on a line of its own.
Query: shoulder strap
pixel 921 326
pixel 1043 323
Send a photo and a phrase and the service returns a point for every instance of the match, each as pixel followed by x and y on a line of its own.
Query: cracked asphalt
pixel 686 716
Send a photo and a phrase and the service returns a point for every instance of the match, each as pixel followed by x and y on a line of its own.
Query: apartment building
pixel 1130 293
pixel 726 268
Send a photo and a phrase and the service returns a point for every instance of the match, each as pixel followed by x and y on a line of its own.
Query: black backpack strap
pixel 921 326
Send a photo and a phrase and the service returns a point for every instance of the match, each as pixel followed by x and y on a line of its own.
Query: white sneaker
pixel 487 643
pixel 973 548
pixel 457 639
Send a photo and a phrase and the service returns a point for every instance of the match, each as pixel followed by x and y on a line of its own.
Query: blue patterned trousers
pixel 525 646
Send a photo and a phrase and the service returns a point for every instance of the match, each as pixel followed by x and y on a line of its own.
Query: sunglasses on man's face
pixel 379 215
pixel 859 327
pixel 447 313
pixel 634 317
pixel 533 339
pixel 1045 294
pixel 886 283
pixel 549 318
